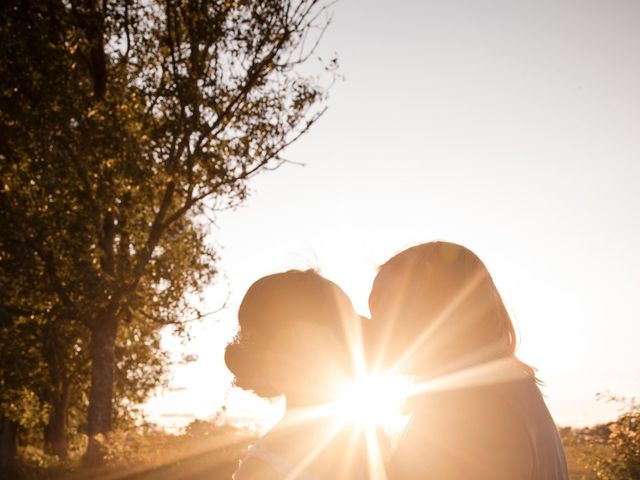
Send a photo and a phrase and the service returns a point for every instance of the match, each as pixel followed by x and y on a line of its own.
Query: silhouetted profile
pixel 294 341
pixel 477 411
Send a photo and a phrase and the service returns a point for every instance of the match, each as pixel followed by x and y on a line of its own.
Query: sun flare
pixel 373 401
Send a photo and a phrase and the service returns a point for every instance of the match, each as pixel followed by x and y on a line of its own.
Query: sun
pixel 373 400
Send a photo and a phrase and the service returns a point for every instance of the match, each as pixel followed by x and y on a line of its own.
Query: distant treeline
pixel 609 451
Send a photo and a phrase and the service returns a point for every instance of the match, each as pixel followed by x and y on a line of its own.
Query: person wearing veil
pixel 477 412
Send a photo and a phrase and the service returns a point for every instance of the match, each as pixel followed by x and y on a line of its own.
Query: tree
pixel 29 351
pixel 123 124
pixel 620 457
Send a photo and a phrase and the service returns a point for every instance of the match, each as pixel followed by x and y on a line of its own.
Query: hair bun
pixel 248 369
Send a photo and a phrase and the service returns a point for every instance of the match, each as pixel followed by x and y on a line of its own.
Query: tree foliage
pixel 621 445
pixel 122 125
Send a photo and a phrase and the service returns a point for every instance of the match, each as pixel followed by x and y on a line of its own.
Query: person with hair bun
pixel 477 410
pixel 293 340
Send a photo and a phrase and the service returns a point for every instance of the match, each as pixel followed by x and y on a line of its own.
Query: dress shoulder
pixel 254 469
pixel 260 463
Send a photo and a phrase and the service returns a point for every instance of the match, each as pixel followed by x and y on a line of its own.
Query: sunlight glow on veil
pixel 437 322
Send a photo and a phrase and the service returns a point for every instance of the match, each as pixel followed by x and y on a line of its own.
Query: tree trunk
pixel 8 448
pixel 56 394
pixel 101 395
pixel 55 432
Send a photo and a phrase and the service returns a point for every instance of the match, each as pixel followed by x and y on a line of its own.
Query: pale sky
pixel 512 127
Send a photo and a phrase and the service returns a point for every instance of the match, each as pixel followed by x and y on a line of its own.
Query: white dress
pixel 282 467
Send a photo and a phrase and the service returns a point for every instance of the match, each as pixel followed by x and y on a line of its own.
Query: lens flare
pixel 373 400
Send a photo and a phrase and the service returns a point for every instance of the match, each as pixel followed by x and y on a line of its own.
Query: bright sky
pixel 511 127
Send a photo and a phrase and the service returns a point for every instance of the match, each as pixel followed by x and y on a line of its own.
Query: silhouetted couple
pixel 436 316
